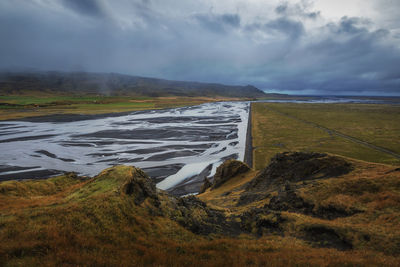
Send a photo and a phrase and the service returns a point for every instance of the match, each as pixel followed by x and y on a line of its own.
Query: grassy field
pixel 279 127
pixel 14 107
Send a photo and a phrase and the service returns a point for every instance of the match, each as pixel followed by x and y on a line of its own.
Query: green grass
pixel 14 107
pixel 274 132
pixel 119 106
pixel 374 123
pixel 31 100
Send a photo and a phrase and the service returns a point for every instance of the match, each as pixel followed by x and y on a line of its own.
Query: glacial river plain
pixel 174 146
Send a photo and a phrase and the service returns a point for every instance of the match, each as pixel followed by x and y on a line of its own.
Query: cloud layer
pixel 300 47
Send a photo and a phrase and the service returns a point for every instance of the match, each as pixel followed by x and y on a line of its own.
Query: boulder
pixel 140 186
pixel 227 170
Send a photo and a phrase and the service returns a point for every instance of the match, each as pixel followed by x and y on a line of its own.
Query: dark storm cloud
pixel 281 26
pixel 293 29
pixel 352 25
pixel 360 63
pixel 277 51
pixel 218 23
pixel 85 7
pixel 281 9
pixel 299 9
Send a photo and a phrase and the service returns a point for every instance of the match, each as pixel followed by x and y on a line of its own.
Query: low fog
pixel 298 47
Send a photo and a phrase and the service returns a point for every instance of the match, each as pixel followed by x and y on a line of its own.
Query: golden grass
pixel 64 221
pixel 217 197
pixel 371 190
pixel 274 132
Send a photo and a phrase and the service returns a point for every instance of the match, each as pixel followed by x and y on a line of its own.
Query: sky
pixel 325 47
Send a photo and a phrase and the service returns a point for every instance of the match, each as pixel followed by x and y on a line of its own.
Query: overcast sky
pixel 300 47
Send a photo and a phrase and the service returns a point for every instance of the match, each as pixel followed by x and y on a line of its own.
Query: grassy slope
pixel 372 189
pixel 67 221
pixel 274 132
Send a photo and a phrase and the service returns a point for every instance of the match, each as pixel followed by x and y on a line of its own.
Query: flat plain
pixel 368 132
pixel 22 106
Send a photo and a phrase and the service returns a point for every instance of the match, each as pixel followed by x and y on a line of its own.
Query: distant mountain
pixel 79 83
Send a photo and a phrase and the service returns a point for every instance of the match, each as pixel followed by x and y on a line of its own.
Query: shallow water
pixel 173 146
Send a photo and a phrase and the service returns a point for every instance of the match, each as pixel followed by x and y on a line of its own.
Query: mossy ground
pixel 71 221
pixel 369 195
pixel 277 128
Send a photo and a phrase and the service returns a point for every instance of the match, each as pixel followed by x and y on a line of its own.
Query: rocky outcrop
pixel 324 236
pixel 227 170
pixel 196 216
pixel 262 221
pixel 288 200
pixel 298 166
pixel 206 184
pixel 292 167
pixel 140 186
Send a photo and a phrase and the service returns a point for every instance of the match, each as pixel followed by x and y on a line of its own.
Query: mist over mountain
pixel 307 47
pixel 114 84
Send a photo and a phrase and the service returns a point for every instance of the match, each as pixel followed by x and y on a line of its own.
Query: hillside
pixel 112 84
pixel 302 209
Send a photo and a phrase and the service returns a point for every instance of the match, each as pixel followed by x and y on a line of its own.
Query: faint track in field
pixel 337 133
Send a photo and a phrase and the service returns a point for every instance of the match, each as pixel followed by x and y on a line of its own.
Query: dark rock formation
pixel 207 184
pixel 194 215
pixel 249 197
pixel 262 221
pixel 299 166
pixel 331 212
pixel 227 170
pixel 192 184
pixel 323 236
pixel 292 167
pixel 289 200
pixel 140 186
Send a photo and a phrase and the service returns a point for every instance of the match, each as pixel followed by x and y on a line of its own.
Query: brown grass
pixel 277 128
pixel 65 222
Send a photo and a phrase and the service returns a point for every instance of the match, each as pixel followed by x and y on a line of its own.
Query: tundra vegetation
pixel 338 205
pixel 362 131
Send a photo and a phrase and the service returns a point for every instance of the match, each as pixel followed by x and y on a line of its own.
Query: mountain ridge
pixel 116 84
